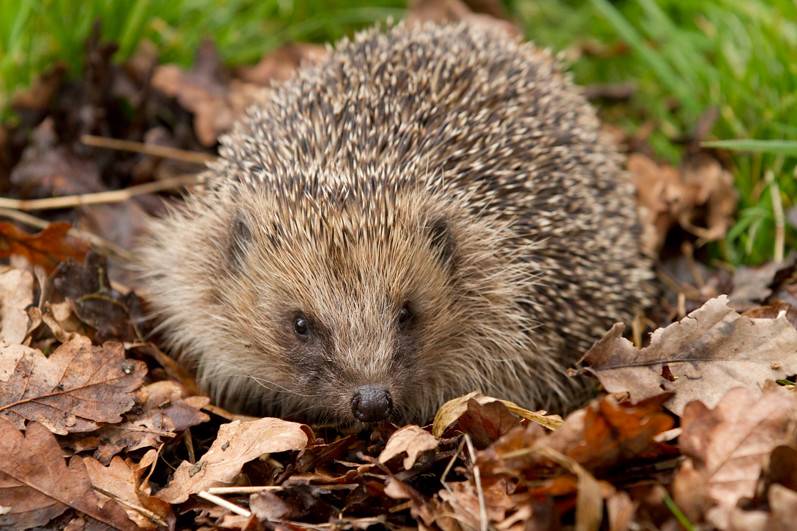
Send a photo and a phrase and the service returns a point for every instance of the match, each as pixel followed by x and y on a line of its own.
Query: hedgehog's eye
pixel 301 326
pixel 405 315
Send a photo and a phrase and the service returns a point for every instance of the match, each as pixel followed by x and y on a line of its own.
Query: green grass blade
pixel 656 61
pixel 772 147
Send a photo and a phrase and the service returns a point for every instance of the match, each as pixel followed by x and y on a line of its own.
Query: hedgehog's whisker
pixel 266 384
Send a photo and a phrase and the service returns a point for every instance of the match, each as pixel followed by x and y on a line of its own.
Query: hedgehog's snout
pixel 371 403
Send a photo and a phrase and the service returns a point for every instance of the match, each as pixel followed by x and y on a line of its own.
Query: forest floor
pixel 694 427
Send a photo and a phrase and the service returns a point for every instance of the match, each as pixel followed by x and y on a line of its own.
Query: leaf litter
pixel 101 428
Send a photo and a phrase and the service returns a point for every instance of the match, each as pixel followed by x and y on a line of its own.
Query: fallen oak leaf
pixel 412 440
pixel 46 248
pixel 707 352
pixel 727 447
pixel 77 387
pixel 236 444
pixel 452 410
pixel 37 485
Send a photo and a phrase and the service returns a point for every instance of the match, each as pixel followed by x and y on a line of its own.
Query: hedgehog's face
pixel 358 316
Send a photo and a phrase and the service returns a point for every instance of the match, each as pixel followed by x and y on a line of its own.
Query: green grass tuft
pixel 36 33
pixel 685 58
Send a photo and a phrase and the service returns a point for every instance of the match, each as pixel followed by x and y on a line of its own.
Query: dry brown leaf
pixel 162 412
pixel 77 387
pixel 713 187
pixel 728 446
pixel 413 440
pixel 452 410
pixel 701 356
pixel 607 433
pixel 236 444
pixel 46 248
pixel 119 482
pixel 702 189
pixel 37 485
pixel 16 294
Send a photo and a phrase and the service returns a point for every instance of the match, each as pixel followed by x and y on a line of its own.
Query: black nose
pixel 371 403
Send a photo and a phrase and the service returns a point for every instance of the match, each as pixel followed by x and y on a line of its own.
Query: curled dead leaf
pixel 452 410
pixel 700 190
pixel 236 444
pixel 413 440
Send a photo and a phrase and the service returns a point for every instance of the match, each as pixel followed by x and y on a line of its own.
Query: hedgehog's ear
pixel 442 240
pixel 240 238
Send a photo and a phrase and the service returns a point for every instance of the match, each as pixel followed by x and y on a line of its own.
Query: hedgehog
pixel 428 211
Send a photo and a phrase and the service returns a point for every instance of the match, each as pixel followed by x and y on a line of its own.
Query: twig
pixel 98 198
pixel 451 464
pixel 400 507
pixel 777 212
pixel 189 445
pixel 153 150
pixel 478 478
pixel 242 490
pixel 221 502
pixel 93 239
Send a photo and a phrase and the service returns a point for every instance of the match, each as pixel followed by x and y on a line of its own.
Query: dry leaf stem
pixel 153 150
pixel 98 198
pixel 477 477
